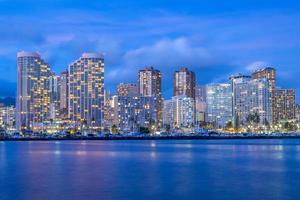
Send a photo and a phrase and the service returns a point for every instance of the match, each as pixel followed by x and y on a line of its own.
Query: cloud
pixel 212 45
pixel 169 53
pixel 257 65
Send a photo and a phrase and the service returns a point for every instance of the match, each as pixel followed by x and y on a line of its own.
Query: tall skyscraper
pixel 184 83
pixel 86 90
pixel 183 112
pixel 168 118
pixel 33 99
pixel 54 87
pixel 268 73
pixel 219 104
pixel 251 97
pixel 149 85
pixel 114 110
pixel 284 105
pixel 149 82
pixel 107 122
pixel 200 101
pixel 63 94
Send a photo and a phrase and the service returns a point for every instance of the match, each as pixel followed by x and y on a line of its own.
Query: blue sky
pixel 214 38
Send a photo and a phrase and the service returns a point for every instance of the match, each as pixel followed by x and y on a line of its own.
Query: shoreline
pixel 153 138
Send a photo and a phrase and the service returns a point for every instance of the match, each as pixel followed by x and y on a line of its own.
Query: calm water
pixel 225 169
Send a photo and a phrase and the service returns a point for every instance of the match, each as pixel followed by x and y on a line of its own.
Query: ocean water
pixel 166 169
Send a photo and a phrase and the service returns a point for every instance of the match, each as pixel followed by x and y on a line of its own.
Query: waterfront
pixel 160 169
pixel 142 136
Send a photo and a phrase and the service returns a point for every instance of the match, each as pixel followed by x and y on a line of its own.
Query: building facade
pixel 251 97
pixel 297 113
pixel 219 104
pixel 86 90
pixel 33 98
pixel 54 92
pixel 149 82
pixel 184 83
pixel 284 105
pixel 135 112
pixel 63 94
pixel 268 73
pixel 183 112
pixel 200 104
pixel 114 110
pixel 149 85
pixel 168 115
pixel 127 89
pixel 8 118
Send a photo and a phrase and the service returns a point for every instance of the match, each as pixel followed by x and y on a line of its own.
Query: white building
pixel 33 99
pixel 8 117
pixel 250 97
pixel 219 104
pixel 183 112
pixel 168 113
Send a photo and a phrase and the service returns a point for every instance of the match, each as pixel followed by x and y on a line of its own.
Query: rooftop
pixel 27 54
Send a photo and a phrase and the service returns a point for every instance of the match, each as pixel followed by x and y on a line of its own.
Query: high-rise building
pixel 149 82
pixel 179 113
pixel 168 118
pixel 268 73
pixel 33 99
pixel 114 110
pixel 54 87
pixel 183 112
pixel 297 113
pixel 250 97
pixel 63 94
pixel 127 89
pixel 200 101
pixel 107 110
pixel 135 112
pixel 184 83
pixel 8 117
pixel 219 104
pixel 284 105
pixel 200 92
pixel 149 85
pixel 86 90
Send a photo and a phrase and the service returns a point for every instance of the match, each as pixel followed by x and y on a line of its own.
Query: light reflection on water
pixel 182 169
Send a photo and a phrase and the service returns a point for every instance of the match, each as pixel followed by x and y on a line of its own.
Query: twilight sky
pixel 214 38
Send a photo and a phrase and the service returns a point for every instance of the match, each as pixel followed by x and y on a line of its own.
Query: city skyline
pixel 145 99
pixel 76 100
pixel 213 39
pixel 170 93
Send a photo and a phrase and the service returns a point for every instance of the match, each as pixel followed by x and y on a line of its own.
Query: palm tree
pixel 114 129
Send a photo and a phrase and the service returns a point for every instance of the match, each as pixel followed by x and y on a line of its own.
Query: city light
pixel 75 102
